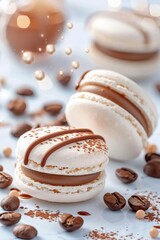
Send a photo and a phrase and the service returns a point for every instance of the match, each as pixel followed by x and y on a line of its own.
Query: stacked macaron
pixel 124 42
pixel 61 164
pixel 116 108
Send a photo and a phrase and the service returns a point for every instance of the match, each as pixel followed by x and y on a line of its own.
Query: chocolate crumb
pixel 83 213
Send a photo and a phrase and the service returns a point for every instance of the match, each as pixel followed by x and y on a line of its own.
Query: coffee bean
pixel 126 175
pixel 69 222
pixel 9 218
pixel 53 108
pixel 137 202
pixel 19 129
pixel 17 106
pixel 25 231
pixel 152 168
pixel 23 91
pixel 63 79
pixel 152 156
pixel 158 87
pixel 114 201
pixel 1 168
pixel 5 180
pixel 10 203
pixel 61 120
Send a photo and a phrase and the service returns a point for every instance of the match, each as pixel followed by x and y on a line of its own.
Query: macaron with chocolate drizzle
pixel 116 108
pixel 125 42
pixel 61 164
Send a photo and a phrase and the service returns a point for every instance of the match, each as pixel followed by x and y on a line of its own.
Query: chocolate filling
pixel 59 180
pixel 128 56
pixel 117 98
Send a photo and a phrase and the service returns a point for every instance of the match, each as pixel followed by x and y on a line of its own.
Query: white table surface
pixel 19 74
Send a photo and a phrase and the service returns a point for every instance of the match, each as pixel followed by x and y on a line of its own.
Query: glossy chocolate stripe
pixel 47 137
pixel 61 180
pixel 65 143
pixel 119 99
pixel 128 56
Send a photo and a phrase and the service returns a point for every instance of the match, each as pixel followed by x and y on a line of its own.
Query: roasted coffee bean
pixel 9 218
pixel 137 202
pixel 158 87
pixel 5 180
pixel 152 156
pixel 19 129
pixel 23 91
pixel 63 79
pixel 53 108
pixel 114 201
pixel 61 120
pixel 25 231
pixel 152 168
pixel 126 175
pixel 69 222
pixel 17 106
pixel 1 168
pixel 10 203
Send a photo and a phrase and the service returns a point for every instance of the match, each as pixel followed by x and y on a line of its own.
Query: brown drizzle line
pixel 59 145
pixel 82 77
pixel 62 144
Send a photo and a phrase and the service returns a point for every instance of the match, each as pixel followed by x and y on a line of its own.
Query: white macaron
pixel 124 42
pixel 116 108
pixel 61 164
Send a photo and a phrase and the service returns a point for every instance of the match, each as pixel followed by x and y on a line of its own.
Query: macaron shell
pixel 111 32
pixel 59 193
pixel 73 159
pixel 123 85
pixel 144 69
pixel 124 135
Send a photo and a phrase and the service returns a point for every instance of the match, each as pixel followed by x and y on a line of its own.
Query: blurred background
pixel 44 40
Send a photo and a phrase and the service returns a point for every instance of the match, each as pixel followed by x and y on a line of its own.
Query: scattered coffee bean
pixel 114 201
pixel 140 214
pixel 53 108
pixel 158 87
pixel 9 218
pixel 7 151
pixel 152 156
pixel 2 81
pixel 69 222
pixel 10 203
pixel 20 129
pixel 24 91
pixel 5 180
pixel 137 202
pixel 17 106
pixel 126 175
pixel 152 168
pixel 63 79
pixel 25 231
pixel 1 168
pixel 61 120
pixel 154 233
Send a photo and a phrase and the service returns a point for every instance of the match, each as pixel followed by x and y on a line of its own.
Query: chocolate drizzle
pixel 62 144
pixel 79 82
pixel 58 145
